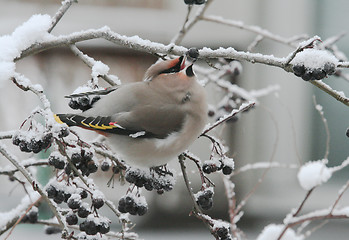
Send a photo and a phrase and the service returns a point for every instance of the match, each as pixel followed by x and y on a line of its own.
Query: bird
pixel 150 122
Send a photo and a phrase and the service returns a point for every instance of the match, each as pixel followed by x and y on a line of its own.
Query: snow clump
pixel 273 231
pixel 313 174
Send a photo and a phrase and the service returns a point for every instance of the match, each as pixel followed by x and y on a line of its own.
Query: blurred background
pixel 285 121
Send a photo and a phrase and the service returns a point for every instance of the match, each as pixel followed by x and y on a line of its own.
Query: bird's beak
pixel 189 71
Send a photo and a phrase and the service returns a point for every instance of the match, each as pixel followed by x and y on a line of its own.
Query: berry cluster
pixel 83 161
pixel 161 182
pixel 31 216
pixel 196 2
pixel 32 142
pixel 135 205
pixel 222 233
pixel 314 73
pixel 83 103
pixel 93 225
pixel 74 197
pixel 60 194
pixel 204 198
pixel 226 166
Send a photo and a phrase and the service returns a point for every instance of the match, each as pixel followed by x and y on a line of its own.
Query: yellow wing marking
pixel 57 119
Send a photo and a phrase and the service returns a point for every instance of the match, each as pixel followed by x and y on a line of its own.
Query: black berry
pixel 298 70
pixel 97 202
pixel 193 53
pixel 74 203
pixel 103 227
pixel 52 230
pixel 51 191
pixel 73 103
pixel 105 166
pixel 227 170
pixel 83 211
pixel 71 219
pixel 63 132
pixel 189 1
pixel 347 132
pixel 199 2
pixel 33 216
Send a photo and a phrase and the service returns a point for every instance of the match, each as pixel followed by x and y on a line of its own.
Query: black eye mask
pixel 175 68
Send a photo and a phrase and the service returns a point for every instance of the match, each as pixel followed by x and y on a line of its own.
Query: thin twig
pixel 324 121
pixel 36 187
pixel 61 11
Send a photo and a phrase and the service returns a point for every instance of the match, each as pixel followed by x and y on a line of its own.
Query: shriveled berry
pixel 64 132
pixel 347 132
pixel 71 219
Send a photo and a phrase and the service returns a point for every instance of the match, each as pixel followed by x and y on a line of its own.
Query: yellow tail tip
pixel 57 119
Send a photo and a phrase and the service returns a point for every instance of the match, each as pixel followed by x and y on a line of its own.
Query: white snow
pixel 32 31
pixel 313 174
pixel 314 58
pixel 273 231
pixel 20 209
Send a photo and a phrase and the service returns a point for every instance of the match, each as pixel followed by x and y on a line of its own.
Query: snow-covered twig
pixel 61 11
pixel 35 185
pixel 324 120
pixel 223 119
pixel 262 165
pixel 188 24
pixel 254 29
pixel 89 61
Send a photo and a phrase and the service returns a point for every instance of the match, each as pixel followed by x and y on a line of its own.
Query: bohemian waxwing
pixel 151 122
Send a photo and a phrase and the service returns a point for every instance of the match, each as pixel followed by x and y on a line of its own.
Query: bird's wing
pixel 144 122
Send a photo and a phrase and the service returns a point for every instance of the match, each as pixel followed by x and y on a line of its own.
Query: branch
pixel 36 187
pixel 61 11
pixel 189 24
pixel 89 61
pixel 243 107
pixel 254 29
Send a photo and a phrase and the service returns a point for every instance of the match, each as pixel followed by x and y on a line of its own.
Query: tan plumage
pixel 151 122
